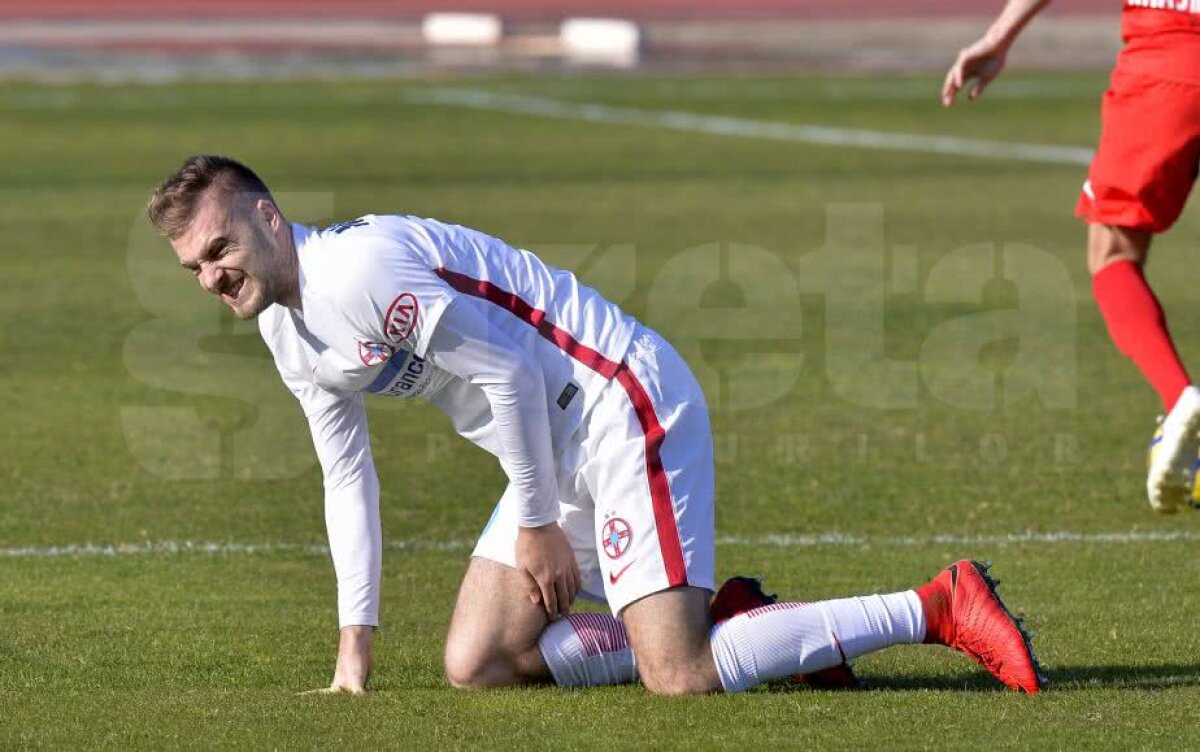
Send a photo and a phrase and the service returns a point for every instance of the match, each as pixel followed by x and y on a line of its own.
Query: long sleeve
pixel 339 434
pixel 338 423
pixel 464 344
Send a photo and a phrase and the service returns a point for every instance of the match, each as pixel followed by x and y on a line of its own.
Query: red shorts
pixel 1148 154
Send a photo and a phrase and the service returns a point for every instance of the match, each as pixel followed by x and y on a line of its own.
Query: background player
pixel 1138 183
pixel 597 422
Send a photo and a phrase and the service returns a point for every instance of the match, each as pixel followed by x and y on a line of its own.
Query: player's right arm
pixel 983 60
pixel 352 522
pixel 338 424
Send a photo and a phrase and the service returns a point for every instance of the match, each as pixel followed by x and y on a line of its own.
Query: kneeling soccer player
pixel 599 425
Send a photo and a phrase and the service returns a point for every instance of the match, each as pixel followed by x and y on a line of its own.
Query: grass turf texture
pixel 136 411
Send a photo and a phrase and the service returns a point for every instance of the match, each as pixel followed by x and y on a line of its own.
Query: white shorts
pixel 637 484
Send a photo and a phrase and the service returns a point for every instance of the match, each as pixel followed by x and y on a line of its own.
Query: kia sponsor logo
pixel 401 316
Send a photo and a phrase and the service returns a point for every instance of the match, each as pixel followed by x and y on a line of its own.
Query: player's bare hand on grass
pixel 980 62
pixel 356 656
pixel 544 556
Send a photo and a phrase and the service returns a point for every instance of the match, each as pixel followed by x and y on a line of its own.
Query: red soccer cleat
pixel 963 611
pixel 737 596
pixel 741 594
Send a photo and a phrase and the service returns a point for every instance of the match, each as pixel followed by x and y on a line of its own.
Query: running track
pixel 522 10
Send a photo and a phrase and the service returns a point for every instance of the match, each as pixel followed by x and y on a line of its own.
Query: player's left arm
pixel 402 303
pixel 464 343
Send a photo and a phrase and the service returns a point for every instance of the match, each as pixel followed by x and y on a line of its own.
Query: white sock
pixel 800 638
pixel 587 650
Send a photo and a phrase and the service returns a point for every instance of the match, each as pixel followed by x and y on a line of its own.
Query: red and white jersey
pixel 374 290
pixel 1162 39
pixel 514 351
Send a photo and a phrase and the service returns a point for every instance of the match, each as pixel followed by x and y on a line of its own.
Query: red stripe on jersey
pixel 660 490
pixel 536 318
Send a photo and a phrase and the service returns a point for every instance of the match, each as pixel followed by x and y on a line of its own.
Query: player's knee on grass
pixel 669 634
pixel 471 665
pixel 492 639
pixel 467 668
pixel 462 670
pixel 667 677
pixel 1107 245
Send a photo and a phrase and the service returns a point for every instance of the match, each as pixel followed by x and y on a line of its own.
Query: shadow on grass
pixel 1126 677
pixel 1074 677
pixel 1077 677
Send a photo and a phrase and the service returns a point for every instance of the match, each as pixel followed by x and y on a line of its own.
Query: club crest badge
pixel 616 537
pixel 374 353
pixel 401 316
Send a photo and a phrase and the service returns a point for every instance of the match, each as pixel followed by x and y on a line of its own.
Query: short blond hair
pixel 173 203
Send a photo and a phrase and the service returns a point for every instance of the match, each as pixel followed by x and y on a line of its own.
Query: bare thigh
pixel 493 635
pixel 669 633
pixel 1107 245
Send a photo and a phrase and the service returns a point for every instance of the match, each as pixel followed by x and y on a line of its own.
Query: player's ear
pixel 267 209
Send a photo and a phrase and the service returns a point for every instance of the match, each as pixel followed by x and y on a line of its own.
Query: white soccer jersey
pixel 504 344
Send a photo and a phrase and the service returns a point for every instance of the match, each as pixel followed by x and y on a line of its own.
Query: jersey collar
pixel 303 237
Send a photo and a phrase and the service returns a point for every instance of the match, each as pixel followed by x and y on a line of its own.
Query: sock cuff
pixel 733 654
pixel 910 602
pixel 598 633
pixel 563 653
pixel 587 650
pixel 1120 264
pixel 1114 271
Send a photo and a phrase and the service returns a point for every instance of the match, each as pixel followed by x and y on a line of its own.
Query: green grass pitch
pixel 900 352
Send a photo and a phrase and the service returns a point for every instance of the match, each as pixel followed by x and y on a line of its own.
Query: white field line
pixel 773 540
pixel 718 125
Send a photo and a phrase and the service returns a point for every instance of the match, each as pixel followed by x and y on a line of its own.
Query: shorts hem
pixel 1132 217
pixel 617 607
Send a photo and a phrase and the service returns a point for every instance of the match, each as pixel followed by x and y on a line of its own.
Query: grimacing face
pixel 230 249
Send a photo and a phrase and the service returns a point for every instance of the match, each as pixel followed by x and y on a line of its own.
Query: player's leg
pixel 648 468
pixel 660 564
pixel 1109 245
pixel 670 632
pixel 656 536
pixel 741 594
pixel 651 473
pixel 498 637
pixel 1137 185
pixel 493 635
pixel 958 609
pixel 679 653
pixel 1138 327
pixel 1132 312
pixel 1144 168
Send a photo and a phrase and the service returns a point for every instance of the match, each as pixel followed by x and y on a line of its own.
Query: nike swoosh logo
pixel 614 576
